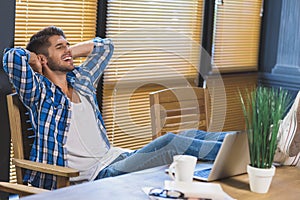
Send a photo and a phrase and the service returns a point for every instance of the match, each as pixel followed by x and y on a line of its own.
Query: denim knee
pixel 161 141
pixel 167 137
pixel 108 171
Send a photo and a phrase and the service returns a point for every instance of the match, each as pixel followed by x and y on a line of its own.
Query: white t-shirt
pixel 86 151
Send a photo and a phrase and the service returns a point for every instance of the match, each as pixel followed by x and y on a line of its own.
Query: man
pixel 66 119
pixel 288 148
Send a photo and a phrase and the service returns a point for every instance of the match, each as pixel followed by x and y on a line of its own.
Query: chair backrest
pixel 178 109
pixel 22 135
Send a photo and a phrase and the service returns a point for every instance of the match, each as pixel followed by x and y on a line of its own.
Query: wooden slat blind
pixel 236 35
pixel 77 18
pixel 12 168
pixel 157 45
pixel 225 104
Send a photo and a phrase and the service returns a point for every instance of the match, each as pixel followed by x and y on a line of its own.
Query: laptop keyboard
pixel 202 173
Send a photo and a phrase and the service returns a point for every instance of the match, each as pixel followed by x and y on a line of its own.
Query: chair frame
pixel 17 121
pixel 178 109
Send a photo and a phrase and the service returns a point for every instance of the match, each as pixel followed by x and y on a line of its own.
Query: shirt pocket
pixel 52 112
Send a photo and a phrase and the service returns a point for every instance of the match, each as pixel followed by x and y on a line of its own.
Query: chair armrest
pixel 20 189
pixel 46 168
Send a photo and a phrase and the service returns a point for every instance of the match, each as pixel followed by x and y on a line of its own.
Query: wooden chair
pixel 178 109
pixel 22 138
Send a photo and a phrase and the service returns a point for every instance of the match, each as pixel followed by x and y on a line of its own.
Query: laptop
pixel 232 159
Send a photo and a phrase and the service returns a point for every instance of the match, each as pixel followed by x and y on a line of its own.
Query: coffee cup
pixel 182 168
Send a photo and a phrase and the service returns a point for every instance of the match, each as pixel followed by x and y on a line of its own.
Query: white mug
pixel 183 166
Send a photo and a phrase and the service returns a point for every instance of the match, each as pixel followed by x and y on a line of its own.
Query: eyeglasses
pixel 164 193
pixel 171 194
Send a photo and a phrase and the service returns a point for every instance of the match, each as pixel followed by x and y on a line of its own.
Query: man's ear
pixel 42 58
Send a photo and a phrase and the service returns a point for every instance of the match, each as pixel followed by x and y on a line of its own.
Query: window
pixel 157 45
pixel 235 48
pixel 76 17
pixel 236 35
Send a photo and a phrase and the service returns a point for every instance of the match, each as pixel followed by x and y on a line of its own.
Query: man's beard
pixel 55 67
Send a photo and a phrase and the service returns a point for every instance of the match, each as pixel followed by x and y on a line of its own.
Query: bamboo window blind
pixel 157 45
pixel 236 35
pixel 77 18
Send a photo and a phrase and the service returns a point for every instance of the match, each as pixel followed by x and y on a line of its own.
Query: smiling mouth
pixel 67 58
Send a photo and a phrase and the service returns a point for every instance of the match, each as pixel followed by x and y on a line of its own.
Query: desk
pixel 285 185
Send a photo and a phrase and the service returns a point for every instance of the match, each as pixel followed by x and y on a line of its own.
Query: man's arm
pixel 82 49
pixel 98 58
pixel 21 74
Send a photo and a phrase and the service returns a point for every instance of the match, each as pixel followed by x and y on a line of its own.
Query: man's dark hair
pixel 39 42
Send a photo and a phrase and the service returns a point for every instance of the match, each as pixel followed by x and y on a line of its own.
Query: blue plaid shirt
pixel 50 108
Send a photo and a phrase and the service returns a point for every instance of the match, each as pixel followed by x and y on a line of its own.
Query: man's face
pixel 59 55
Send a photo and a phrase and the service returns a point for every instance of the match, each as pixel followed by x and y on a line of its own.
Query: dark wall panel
pixel 280 44
pixel 7 24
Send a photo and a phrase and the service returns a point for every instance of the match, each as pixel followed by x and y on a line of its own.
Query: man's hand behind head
pixel 35 63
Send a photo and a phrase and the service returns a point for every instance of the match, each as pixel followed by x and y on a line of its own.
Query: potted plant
pixel 263 109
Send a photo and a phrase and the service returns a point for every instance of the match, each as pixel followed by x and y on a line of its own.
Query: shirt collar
pixel 72 75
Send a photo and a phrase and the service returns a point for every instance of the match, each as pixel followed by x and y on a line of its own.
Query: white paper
pixel 199 190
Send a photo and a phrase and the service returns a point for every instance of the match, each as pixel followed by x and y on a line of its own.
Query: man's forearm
pixel 82 49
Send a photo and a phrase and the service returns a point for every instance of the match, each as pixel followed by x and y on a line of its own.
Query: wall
pixel 280 48
pixel 7 9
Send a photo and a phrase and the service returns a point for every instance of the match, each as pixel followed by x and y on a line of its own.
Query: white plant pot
pixel 260 179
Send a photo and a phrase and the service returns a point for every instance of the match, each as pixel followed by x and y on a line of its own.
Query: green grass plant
pixel 263 109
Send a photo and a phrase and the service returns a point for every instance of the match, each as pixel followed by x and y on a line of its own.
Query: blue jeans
pixel 203 145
